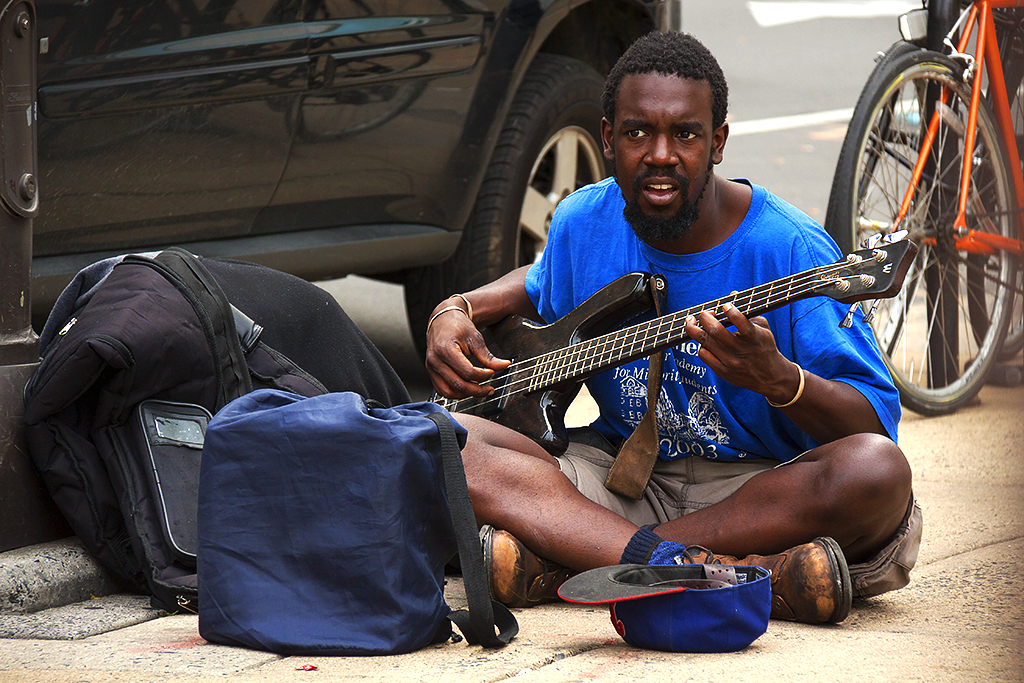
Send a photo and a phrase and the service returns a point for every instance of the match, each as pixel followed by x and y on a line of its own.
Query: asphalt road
pixel 794 77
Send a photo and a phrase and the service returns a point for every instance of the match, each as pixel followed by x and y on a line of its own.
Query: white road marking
pixel 789 122
pixel 778 13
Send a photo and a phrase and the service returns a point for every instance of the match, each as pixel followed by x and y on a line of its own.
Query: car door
pixel 162 121
pixel 375 135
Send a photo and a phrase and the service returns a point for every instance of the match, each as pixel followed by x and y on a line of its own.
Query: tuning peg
pixel 897 236
pixel 869 317
pixel 848 320
pixel 875 239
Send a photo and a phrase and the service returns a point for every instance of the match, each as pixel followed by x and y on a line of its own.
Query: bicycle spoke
pixel 938 335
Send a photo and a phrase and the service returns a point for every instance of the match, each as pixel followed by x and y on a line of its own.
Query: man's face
pixel 663 145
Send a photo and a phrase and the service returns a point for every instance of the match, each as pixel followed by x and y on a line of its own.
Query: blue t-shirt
pixel 590 244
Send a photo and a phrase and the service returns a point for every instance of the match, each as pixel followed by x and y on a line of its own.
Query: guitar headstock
pixel 875 273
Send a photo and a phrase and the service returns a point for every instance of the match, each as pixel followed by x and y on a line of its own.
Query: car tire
pixel 550 145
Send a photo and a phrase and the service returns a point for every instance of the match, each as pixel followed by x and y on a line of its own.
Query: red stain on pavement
pixel 177 645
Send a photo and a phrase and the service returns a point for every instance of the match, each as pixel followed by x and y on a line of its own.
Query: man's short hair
pixel 670 54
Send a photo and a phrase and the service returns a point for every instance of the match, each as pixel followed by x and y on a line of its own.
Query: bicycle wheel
pixel 1014 70
pixel 1014 342
pixel 941 333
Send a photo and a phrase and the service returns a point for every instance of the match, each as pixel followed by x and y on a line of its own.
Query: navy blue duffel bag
pixel 325 526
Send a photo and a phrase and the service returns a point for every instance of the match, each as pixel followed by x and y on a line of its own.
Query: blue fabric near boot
pixel 646 547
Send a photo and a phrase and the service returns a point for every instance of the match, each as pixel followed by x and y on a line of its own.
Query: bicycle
pixel 934 148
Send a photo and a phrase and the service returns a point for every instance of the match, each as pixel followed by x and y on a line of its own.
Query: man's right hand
pixel 458 360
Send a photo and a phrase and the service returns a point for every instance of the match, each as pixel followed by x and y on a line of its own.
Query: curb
pixel 49 575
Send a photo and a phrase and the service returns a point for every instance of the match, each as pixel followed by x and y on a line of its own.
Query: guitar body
pixel 540 414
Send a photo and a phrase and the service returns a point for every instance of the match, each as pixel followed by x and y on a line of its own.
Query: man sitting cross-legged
pixel 776 433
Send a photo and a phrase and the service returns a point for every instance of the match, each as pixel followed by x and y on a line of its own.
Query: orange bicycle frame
pixel 987 55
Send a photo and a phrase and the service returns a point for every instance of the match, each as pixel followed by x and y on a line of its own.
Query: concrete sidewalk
pixel 961 619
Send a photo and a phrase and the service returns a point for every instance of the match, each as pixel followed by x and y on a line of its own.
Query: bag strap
pixel 214 311
pixel 239 351
pixel 479 622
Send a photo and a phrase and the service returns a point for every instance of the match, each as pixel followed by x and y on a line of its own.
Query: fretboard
pixel 586 358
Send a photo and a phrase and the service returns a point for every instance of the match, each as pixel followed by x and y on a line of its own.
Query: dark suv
pixel 420 141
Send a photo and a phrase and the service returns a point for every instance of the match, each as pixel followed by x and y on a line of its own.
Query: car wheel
pixel 550 145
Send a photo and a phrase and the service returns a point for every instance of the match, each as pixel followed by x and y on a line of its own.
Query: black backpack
pixel 137 355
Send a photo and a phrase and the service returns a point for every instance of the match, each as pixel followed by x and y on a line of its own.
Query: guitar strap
pixel 633 465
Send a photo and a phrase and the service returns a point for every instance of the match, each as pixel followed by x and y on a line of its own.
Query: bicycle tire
pixel 941 333
pixel 837 214
pixel 1013 68
pixel 559 99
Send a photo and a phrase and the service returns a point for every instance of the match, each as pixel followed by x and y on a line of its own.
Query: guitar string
pixel 527 370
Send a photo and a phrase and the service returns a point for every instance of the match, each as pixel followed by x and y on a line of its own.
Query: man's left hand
pixel 747 357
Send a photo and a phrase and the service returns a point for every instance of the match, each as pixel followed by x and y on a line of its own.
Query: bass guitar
pixel 549 362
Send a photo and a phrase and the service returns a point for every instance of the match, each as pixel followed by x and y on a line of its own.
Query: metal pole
pixel 27 515
pixel 19 193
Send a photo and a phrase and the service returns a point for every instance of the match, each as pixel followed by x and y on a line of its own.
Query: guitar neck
pixel 871 273
pixel 586 358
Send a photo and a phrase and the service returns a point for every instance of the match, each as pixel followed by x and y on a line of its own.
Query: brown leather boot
pixel 810 582
pixel 517 576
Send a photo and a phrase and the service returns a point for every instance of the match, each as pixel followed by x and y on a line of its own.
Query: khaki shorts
pixel 678 487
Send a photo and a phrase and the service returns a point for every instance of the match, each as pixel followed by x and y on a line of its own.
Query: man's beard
pixel 664 228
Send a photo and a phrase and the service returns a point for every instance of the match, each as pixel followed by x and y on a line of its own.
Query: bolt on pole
pixel 19 190
pixel 27 513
